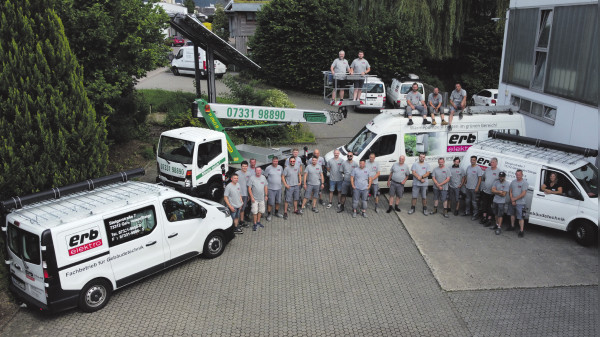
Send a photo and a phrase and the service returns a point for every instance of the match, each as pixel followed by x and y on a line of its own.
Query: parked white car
pixel 486 97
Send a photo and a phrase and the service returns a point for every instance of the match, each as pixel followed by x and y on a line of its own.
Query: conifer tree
pixel 49 133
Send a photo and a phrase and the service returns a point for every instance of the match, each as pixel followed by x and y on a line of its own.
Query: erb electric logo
pixel 83 241
pixel 461 141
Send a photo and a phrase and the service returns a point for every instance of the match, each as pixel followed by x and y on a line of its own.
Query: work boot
pixel 434 211
pixel 424 210
pixel 410 122
pixel 425 121
pixel 341 209
pixel 433 122
pixel 446 214
pixel 397 209
pixel 444 122
pixel 389 209
pixel 412 210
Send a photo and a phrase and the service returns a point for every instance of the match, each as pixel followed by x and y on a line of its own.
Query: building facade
pixel 550 69
pixel 242 22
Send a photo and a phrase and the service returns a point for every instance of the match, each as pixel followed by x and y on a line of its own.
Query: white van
pixel 576 209
pixel 397 91
pixel 183 63
pixel 372 95
pixel 389 136
pixel 75 250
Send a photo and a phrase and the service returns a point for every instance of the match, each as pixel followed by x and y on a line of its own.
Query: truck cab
pixel 193 160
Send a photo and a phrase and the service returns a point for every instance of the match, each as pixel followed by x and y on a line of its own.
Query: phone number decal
pixel 260 114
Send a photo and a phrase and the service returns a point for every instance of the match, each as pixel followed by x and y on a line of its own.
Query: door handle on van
pixel 17 266
pixel 173 235
pixel 541 195
pixel 150 243
pixel 393 160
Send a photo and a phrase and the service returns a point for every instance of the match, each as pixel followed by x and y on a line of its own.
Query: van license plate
pixel 20 284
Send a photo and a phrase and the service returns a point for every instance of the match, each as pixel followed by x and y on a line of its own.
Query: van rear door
pixel 373 95
pixel 27 273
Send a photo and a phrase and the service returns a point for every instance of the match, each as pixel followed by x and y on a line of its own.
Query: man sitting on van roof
pixel 458 102
pixel 415 101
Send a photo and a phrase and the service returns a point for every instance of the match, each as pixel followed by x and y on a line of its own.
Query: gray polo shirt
pixel 234 193
pixel 291 174
pixel 361 178
pixel 373 169
pixel 244 179
pixel 457 96
pixel 414 97
pixel 456 176
pixel 257 184
pixel 336 169
pixel 421 170
pixel 313 174
pixel 340 66
pixel 500 187
pixel 399 172
pixel 435 100
pixel 348 167
pixel 360 66
pixel 517 187
pixel 472 174
pixel 489 176
pixel 440 174
pixel 273 175
pixel 320 161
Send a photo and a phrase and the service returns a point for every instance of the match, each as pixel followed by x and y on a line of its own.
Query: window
pixel 485 93
pixel 174 149
pixel 533 109
pixel 178 209
pixel 360 141
pixel 24 244
pixel 406 87
pixel 587 176
pixel 208 151
pixel 383 146
pixel 179 54
pixel 250 16
pixel 520 42
pixel 374 88
pixel 430 143
pixel 130 226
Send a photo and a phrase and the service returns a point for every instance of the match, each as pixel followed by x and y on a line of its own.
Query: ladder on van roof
pixel 527 151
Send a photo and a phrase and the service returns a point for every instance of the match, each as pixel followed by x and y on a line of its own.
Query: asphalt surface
pixel 327 274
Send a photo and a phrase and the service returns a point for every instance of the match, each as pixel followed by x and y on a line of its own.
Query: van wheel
pixel 175 71
pixel 219 76
pixel 95 295
pixel 585 233
pixel 214 245
pixel 215 191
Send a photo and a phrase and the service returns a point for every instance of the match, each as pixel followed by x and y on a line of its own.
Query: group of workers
pixel 414 99
pixel 487 195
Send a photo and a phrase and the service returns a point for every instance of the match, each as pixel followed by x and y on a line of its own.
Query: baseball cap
pixel 502 174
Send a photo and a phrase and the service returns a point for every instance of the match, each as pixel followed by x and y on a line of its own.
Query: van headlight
pixel 224 210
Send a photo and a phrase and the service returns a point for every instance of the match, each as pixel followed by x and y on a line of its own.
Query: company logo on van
pixel 83 241
pixel 461 141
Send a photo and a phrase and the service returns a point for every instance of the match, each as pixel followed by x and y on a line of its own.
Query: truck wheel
pixel 214 245
pixel 585 233
pixel 95 295
pixel 175 71
pixel 215 191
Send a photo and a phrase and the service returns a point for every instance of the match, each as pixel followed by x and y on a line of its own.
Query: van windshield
pixel 405 88
pixel 587 176
pixel 360 141
pixel 177 150
pixel 374 88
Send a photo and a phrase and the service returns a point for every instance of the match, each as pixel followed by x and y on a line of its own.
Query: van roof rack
pixel 528 151
pixel 52 212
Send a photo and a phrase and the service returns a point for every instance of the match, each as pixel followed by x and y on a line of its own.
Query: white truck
pixel 72 246
pixel 389 136
pixel 197 160
pixel 576 209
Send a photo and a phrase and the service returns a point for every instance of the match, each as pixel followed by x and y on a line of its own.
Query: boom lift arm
pixel 214 111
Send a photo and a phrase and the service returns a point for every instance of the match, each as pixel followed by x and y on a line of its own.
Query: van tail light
pixel 204 65
pixel 493 101
pixel 362 103
pixel 398 101
pixel 46 273
pixel 188 178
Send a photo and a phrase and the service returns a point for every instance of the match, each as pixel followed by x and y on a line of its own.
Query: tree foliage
pixel 49 132
pixel 116 42
pixel 190 5
pixel 220 23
